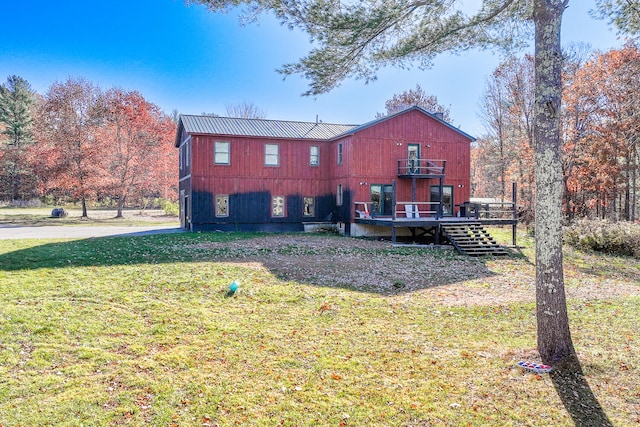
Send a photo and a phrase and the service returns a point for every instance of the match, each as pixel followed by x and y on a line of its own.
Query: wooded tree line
pixel 79 143
pixel 600 119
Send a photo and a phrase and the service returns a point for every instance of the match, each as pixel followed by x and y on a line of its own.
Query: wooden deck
pixel 387 221
pixel 467 235
pixel 426 220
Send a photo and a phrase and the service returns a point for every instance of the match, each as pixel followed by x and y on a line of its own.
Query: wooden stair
pixel 470 238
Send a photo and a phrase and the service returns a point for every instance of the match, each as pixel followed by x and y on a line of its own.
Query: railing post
pixel 440 202
pixel 393 199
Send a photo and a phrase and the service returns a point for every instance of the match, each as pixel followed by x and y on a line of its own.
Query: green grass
pixel 141 331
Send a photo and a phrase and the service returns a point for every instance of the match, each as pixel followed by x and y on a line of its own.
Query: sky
pixel 188 59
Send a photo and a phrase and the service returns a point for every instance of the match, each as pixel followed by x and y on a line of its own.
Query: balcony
pixel 421 168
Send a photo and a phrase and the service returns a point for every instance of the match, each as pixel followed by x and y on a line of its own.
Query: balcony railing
pixel 423 168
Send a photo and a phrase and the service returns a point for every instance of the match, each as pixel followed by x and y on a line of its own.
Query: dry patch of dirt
pixel 439 274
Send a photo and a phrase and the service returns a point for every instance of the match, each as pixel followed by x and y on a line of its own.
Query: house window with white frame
pixel 339 195
pixel 277 206
pixel 308 206
pixel 314 155
pixel 222 205
pixel 222 153
pixel 271 155
pixel 340 153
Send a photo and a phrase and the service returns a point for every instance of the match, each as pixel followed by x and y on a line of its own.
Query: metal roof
pixel 261 127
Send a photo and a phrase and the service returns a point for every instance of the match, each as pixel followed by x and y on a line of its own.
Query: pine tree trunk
pixel 554 338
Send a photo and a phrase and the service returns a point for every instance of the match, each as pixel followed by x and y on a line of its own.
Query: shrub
pixel 621 238
pixel 169 207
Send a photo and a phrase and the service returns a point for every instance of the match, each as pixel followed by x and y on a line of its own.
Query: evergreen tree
pixel 16 102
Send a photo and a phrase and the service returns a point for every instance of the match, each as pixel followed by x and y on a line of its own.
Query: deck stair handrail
pixel 421 167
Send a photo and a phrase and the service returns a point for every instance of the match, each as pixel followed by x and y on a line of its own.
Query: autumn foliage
pixel 89 145
pixel 600 128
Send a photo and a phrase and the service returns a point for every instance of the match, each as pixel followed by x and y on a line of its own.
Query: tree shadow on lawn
pixel 577 397
pixel 327 261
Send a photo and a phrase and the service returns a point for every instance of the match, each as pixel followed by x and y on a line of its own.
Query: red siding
pixel 247 171
pixel 370 156
pixel 374 153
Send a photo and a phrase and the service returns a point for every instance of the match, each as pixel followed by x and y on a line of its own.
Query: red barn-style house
pixel 406 171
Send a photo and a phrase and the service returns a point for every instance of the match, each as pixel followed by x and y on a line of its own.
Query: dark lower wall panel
pixel 251 211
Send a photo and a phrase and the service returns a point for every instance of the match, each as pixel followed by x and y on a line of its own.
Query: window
pixel 277 206
pixel 222 205
pixel 185 153
pixel 381 199
pixel 271 155
pixel 314 155
pixel 340 153
pixel 413 156
pixel 339 195
pixel 309 206
pixel 447 198
pixel 221 155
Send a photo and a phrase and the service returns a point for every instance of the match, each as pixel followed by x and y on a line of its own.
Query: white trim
pixel 186 140
pixel 184 177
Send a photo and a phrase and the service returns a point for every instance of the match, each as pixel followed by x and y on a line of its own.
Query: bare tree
pixel 245 110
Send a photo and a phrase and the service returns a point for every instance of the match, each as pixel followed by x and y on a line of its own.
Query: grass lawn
pixel 42 216
pixel 140 331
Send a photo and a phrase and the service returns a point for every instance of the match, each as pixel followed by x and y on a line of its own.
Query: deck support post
pixel 393 210
pixel 440 212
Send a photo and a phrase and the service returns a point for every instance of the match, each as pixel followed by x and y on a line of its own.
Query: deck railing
pixel 424 167
pixel 416 209
pixel 493 210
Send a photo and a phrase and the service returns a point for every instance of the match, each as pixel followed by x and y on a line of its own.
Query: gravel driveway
pixel 8 231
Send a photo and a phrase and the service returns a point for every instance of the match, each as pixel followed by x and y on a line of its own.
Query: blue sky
pixel 191 60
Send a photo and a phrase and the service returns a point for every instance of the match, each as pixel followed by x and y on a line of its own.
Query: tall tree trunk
pixel 634 185
pixel 554 338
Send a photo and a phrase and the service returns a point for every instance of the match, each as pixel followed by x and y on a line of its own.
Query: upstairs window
pixel 222 153
pixel 340 153
pixel 271 155
pixel 314 155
